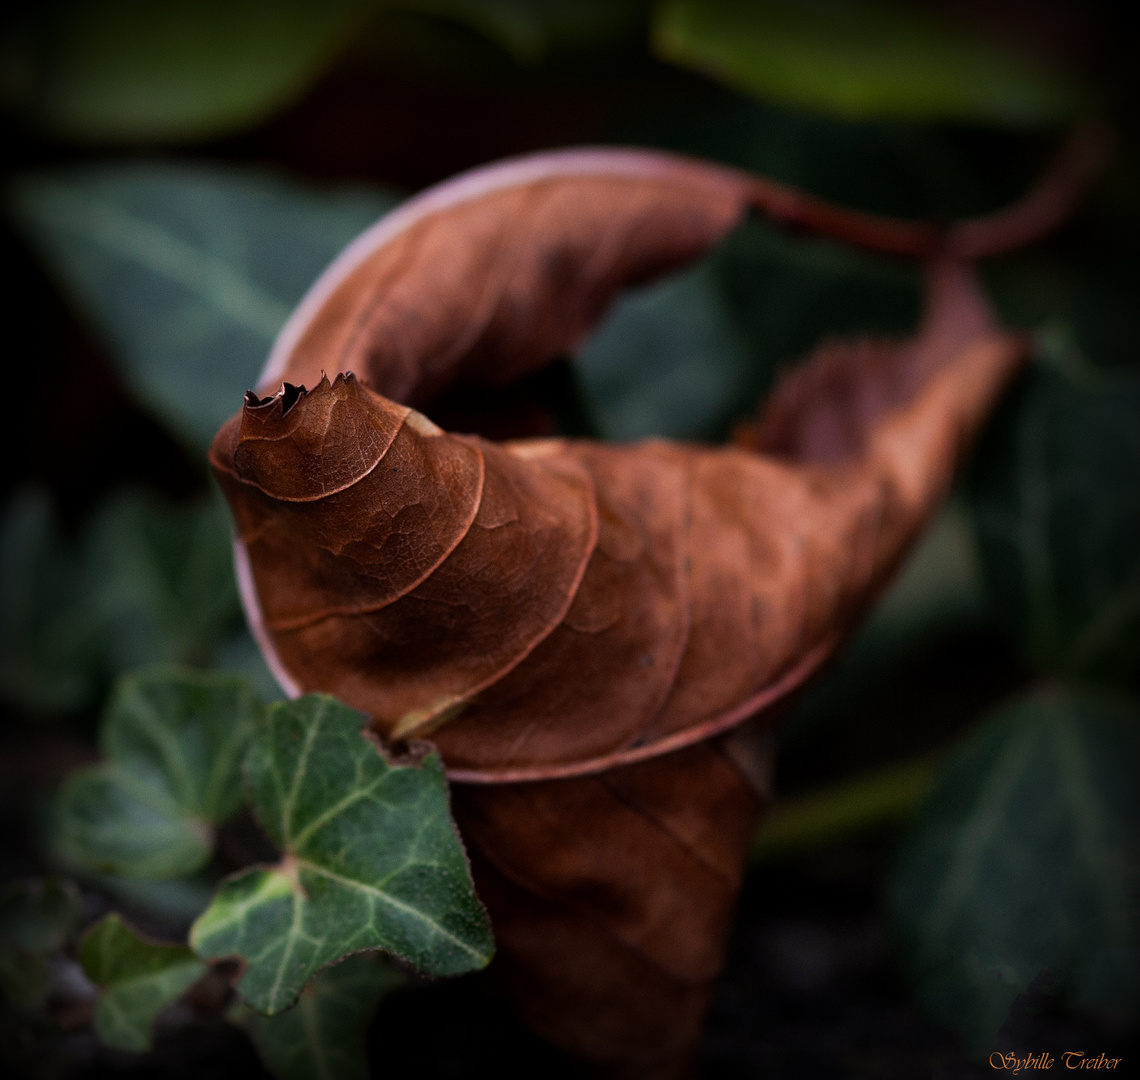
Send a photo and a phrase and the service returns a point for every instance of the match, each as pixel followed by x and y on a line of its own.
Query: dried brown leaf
pixel 584 629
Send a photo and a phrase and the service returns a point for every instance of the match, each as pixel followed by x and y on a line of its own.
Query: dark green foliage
pixel 666 361
pixel 173 741
pixel 371 860
pixel 146 581
pixel 323 1034
pixel 1057 509
pixel 130 71
pixel 188 272
pixel 1023 861
pixel 858 60
pixel 1024 858
pixel 47 647
pixel 37 919
pixel 138 979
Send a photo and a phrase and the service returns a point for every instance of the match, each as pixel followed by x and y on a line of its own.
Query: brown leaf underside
pixel 559 614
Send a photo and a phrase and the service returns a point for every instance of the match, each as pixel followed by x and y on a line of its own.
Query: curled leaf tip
pixel 303 444
pixel 291 394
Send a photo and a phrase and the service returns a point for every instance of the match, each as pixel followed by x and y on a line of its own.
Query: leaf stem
pixel 844 810
pixel 1038 212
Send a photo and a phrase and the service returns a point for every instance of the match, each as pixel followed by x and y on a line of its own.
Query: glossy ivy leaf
pixel 371 860
pixel 1057 512
pixel 130 71
pixel 173 740
pixel 189 271
pixel 323 1035
pixel 1024 860
pixel 138 978
pixel 665 361
pixel 37 918
pixel 858 60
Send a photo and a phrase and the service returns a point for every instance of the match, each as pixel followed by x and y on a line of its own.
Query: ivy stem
pixel 845 809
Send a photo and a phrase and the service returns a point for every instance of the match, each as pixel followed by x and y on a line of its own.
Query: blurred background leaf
pixel 1023 862
pixel 665 361
pixel 173 741
pixel 1057 506
pixel 936 595
pixel 170 905
pixel 47 646
pixel 138 979
pixel 188 271
pixel 859 60
pixel 147 581
pixel 529 30
pixel 160 580
pixel 686 356
pixel 126 71
pixel 1083 307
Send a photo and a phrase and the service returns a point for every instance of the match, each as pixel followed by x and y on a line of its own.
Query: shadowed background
pixel 174 180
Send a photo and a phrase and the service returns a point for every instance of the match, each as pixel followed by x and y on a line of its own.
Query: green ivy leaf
pixel 37 917
pixel 189 271
pixel 131 71
pixel 1024 859
pixel 323 1035
pixel 858 60
pixel 174 740
pixel 371 860
pixel 139 978
pixel 1057 512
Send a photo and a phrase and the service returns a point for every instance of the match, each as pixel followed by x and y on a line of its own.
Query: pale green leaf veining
pixel 371 860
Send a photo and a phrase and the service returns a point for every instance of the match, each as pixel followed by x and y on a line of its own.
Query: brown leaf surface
pixel 583 628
